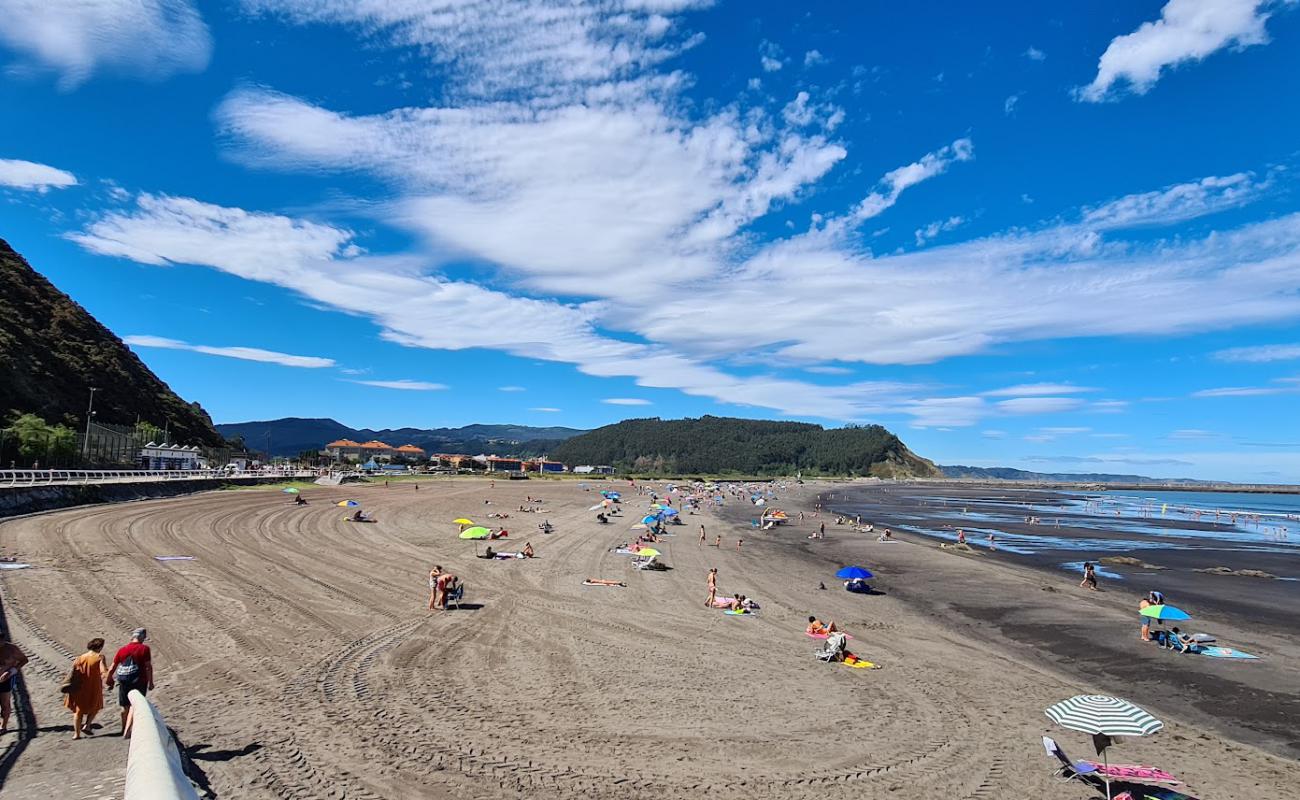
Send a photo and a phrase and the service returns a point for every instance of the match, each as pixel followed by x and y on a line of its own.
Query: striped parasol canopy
pixel 1097 713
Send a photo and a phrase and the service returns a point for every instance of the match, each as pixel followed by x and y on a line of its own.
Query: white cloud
pixel 896 181
pixel 993 434
pixel 770 64
pixel 546 410
pixel 553 51
pixel 164 230
pixel 1064 431
pixel 1038 405
pixel 932 230
pixel 1038 390
pixel 822 369
pixel 1260 353
pixel 1188 30
pixel 1009 105
pixel 1108 406
pixel 75 38
pixel 1245 391
pixel 242 353
pixel 625 401
pixel 1034 54
pixel 813 57
pixel 1192 433
pixel 28 175
pixel 511 389
pixel 403 385
pixel 1176 203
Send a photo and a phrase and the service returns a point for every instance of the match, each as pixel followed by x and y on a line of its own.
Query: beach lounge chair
pixel 455 595
pixel 1096 774
pixel 833 648
pixel 647 562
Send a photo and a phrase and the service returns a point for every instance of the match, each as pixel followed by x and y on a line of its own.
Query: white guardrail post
pixel 153 764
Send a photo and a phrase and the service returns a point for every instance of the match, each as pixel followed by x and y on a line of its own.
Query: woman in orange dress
pixel 87 695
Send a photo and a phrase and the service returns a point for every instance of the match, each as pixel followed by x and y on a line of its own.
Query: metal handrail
pixel 10 478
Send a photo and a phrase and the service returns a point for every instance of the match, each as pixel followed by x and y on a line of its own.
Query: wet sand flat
pixel 296 658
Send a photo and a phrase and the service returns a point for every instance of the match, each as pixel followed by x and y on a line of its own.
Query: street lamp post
pixel 90 412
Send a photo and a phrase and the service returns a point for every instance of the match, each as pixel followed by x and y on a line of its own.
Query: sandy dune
pixel 296 659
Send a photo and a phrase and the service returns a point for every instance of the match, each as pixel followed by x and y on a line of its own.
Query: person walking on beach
pixel 713 588
pixel 717 542
pixel 821 531
pixel 1089 577
pixel 701 536
pixel 85 695
pixel 11 660
pixel 132 669
pixel 961 536
pixel 739 542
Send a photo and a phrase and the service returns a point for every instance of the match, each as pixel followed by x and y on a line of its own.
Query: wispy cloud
pixel 625 401
pixel 1038 390
pixel 546 410
pixel 28 175
pixel 1176 203
pixel 241 353
pixel 1130 460
pixel 1191 433
pixel 1260 353
pixel 896 181
pixel 511 389
pixel 1188 30
pixel 403 385
pixel 76 38
pixel 1038 405
pixel 1034 54
pixel 932 230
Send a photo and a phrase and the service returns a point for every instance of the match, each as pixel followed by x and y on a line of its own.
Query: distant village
pixel 380 456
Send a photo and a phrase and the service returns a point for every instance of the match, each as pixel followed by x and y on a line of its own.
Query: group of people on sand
pixel 1172 639
pixel 90 674
pixel 441 584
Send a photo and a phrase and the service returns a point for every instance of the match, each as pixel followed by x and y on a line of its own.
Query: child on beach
pixel 1089 577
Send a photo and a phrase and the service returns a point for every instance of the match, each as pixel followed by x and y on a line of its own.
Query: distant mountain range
pixel 292 435
pixel 52 352
pixel 1010 474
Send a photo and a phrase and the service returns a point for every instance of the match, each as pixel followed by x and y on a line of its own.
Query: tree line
pixel 722 445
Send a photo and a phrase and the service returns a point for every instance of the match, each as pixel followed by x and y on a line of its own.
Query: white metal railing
pixel 153 762
pixel 50 477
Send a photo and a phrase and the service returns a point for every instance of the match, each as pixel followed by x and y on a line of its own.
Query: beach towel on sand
pixel 857 663
pixel 13 565
pixel 1223 652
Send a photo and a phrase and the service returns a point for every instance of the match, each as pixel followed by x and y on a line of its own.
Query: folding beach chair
pixel 455 595
pixel 1069 770
pixel 833 647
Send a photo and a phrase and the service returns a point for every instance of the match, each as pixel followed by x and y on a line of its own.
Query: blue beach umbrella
pixel 851 573
pixel 347 504
pixel 670 512
pixel 650 520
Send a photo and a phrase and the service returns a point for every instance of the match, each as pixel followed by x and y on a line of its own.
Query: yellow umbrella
pixel 463 521
pixel 647 551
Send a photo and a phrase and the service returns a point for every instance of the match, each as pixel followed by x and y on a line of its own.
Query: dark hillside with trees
pixel 52 351
pixel 719 445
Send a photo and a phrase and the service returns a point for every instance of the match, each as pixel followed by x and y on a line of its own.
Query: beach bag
pixel 128 671
pixel 71 683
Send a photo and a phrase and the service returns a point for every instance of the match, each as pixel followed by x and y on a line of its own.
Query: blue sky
pixel 1063 239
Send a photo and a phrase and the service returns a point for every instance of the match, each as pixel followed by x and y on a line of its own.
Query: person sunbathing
pixel 603 582
pixel 1176 639
pixel 528 550
pixel 818 628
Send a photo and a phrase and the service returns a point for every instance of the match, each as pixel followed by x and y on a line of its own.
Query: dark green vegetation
pixel 1011 474
pixel 722 445
pixel 52 351
pixel 292 435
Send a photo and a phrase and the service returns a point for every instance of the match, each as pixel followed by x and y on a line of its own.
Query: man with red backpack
pixel 132 669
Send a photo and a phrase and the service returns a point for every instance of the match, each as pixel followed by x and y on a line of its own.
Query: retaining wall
pixel 31 499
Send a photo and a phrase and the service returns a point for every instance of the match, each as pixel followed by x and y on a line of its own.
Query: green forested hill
pixel 52 351
pixel 716 445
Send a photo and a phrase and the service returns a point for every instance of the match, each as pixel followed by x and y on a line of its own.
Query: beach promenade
pixel 295 657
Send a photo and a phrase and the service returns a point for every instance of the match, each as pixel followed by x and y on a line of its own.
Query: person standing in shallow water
pixel 86 695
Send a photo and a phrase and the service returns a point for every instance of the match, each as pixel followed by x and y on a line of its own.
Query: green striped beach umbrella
pixel 1097 713
pixel 1103 717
